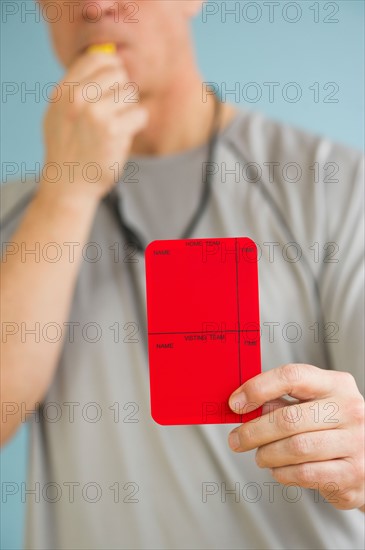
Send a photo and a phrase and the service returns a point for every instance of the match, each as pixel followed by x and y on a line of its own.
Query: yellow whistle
pixel 108 47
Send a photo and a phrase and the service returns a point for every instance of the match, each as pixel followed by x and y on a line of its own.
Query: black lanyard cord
pixel 114 202
pixel 280 217
pixel 207 175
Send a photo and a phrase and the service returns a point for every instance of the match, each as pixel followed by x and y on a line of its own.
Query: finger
pixel 132 120
pixel 109 112
pixel 297 380
pixel 108 89
pixel 334 479
pixel 87 64
pixel 107 76
pixel 271 406
pixel 285 422
pixel 317 475
pixel 305 447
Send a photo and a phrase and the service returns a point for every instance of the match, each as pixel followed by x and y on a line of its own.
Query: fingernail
pixel 234 441
pixel 237 402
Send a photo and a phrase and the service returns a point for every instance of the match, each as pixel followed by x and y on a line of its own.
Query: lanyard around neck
pixel 114 202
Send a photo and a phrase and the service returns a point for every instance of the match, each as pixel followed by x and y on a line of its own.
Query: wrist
pixel 67 196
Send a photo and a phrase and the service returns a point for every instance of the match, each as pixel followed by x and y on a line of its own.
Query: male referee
pixel 102 473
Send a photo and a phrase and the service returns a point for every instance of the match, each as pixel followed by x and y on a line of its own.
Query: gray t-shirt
pixel 108 476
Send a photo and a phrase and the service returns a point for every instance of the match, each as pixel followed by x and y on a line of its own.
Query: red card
pixel 203 327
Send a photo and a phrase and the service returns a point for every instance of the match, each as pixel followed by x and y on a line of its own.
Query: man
pixel 105 475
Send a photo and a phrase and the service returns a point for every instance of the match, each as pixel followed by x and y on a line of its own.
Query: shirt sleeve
pixel 15 196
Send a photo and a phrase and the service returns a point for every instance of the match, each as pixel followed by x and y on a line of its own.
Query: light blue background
pixel 304 52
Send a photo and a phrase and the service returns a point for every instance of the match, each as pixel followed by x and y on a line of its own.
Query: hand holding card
pixel 203 327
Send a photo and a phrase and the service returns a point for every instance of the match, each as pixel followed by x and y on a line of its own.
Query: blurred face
pixel 152 36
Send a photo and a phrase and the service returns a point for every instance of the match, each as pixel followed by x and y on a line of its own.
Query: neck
pixel 178 119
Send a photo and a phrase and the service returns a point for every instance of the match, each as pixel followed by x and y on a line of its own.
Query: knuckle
pixel 357 410
pixel 358 468
pixel 129 117
pixel 133 124
pixel 290 373
pixel 347 500
pixel 260 459
pixel 111 130
pixel 128 97
pixel 285 420
pixel 305 474
pixel 94 114
pixel 299 445
pixel 252 389
pixel 126 143
pixel 346 379
pixel 78 103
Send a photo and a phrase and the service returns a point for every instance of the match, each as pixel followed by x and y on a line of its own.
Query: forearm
pixel 36 290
